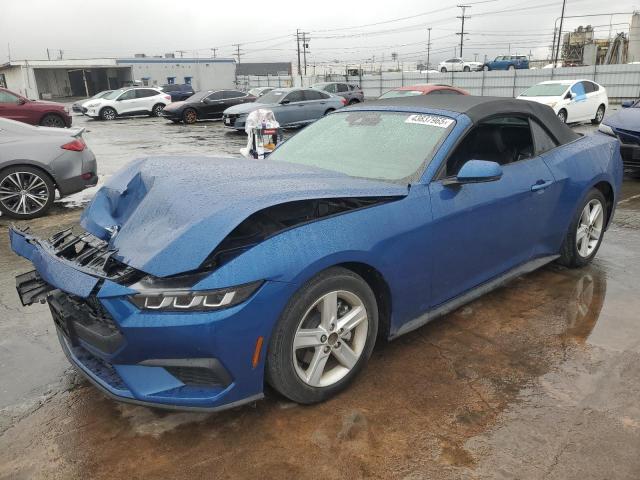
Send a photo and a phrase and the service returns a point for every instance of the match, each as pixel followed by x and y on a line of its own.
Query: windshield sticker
pixel 430 120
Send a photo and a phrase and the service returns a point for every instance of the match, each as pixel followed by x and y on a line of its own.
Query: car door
pixel 482 230
pixel 213 105
pixel 127 102
pixel 11 108
pixel 578 108
pixel 316 103
pixel 291 109
pixel 146 99
pixel 342 89
pixel 594 99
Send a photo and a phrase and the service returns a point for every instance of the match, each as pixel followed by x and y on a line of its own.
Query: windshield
pixel 545 90
pixel 389 146
pixel 115 94
pixel 400 93
pixel 273 96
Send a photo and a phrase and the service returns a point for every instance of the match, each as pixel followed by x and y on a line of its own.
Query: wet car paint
pixel 539 378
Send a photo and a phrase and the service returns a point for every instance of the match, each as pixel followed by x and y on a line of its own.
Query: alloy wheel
pixel 23 193
pixel 157 110
pixel 589 228
pixel 600 114
pixel 190 116
pixel 562 116
pixel 330 338
pixel 53 121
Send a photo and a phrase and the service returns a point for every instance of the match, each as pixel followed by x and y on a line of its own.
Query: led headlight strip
pixel 181 300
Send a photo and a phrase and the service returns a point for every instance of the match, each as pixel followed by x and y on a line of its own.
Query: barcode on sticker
pixel 432 120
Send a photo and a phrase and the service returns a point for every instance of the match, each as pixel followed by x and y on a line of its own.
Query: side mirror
pixel 21 101
pixel 476 171
pixel 627 103
pixel 285 102
pixel 573 95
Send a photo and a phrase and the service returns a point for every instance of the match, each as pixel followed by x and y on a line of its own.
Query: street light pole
pixel 428 46
pixel 555 60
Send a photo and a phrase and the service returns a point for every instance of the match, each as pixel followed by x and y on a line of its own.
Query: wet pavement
pixel 539 379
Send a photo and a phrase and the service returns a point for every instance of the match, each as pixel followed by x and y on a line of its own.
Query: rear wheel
pixel 443 70
pixel 562 115
pixel 353 101
pixel 586 231
pixel 52 120
pixel 466 69
pixel 25 192
pixel 156 111
pixel 329 111
pixel 189 116
pixel 323 338
pixel 511 67
pixel 108 113
pixel 486 68
pixel 597 120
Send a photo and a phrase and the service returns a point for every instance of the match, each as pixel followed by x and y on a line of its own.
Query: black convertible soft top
pixel 481 108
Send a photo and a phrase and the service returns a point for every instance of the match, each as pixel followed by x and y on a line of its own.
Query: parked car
pixel 37 161
pixel 78 106
pixel 508 62
pixel 459 65
pixel 423 89
pixel 625 126
pixel 572 100
pixel 205 105
pixel 259 91
pixel 178 91
pixel 292 107
pixel 33 112
pixel 352 93
pixel 128 102
pixel 202 279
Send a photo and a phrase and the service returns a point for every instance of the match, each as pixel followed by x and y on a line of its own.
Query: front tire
pixel 597 120
pixel 156 111
pixel 353 101
pixel 108 113
pixel 511 67
pixel 486 68
pixel 329 110
pixel 324 337
pixel 562 115
pixel 189 116
pixel 52 120
pixel 443 70
pixel 25 192
pixel 466 69
pixel 586 232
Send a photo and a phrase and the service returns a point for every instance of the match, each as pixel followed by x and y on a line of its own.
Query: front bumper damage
pixel 174 360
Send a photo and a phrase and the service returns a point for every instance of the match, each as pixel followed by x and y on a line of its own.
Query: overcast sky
pixel 352 30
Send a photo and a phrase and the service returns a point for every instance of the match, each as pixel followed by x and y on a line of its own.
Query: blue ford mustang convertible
pixel 196 280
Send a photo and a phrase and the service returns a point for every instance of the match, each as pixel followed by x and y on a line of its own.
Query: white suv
pixel 128 101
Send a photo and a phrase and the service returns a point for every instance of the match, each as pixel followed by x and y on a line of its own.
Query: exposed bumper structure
pixel 175 360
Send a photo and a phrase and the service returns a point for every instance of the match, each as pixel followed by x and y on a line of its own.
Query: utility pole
pixel 461 33
pixel 555 60
pixel 9 50
pixel 305 45
pixel 428 46
pixel 48 55
pixel 61 54
pixel 213 52
pixel 553 45
pixel 181 52
pixel 298 47
pixel 237 45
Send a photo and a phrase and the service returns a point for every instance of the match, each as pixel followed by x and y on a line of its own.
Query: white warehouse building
pixel 85 77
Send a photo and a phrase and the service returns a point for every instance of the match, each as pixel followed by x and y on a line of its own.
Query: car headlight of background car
pixel 92 105
pixel 181 300
pixel 606 129
pixel 552 104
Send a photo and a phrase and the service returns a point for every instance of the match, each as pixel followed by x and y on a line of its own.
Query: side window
pixel 589 87
pixel 596 87
pixel 314 95
pixel 128 95
pixel 503 140
pixel 6 97
pixel 216 96
pixel 295 96
pixel 331 88
pixel 578 89
pixel 543 141
pixel 144 93
pixel 232 94
pixel 446 91
pixel 342 87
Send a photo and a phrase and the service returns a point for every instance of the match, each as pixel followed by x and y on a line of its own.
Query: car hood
pixel 625 119
pixel 45 104
pixel 173 106
pixel 169 213
pixel 544 100
pixel 249 107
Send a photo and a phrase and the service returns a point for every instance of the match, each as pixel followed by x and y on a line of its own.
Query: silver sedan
pixel 37 161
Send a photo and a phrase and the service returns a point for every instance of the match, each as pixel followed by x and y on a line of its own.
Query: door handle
pixel 540 185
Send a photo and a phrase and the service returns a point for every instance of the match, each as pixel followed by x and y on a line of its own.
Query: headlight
pixel 92 105
pixel 200 301
pixel 552 104
pixel 606 129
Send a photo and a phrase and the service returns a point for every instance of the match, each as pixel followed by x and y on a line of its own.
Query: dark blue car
pixel 196 280
pixel 178 91
pixel 508 62
pixel 625 126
